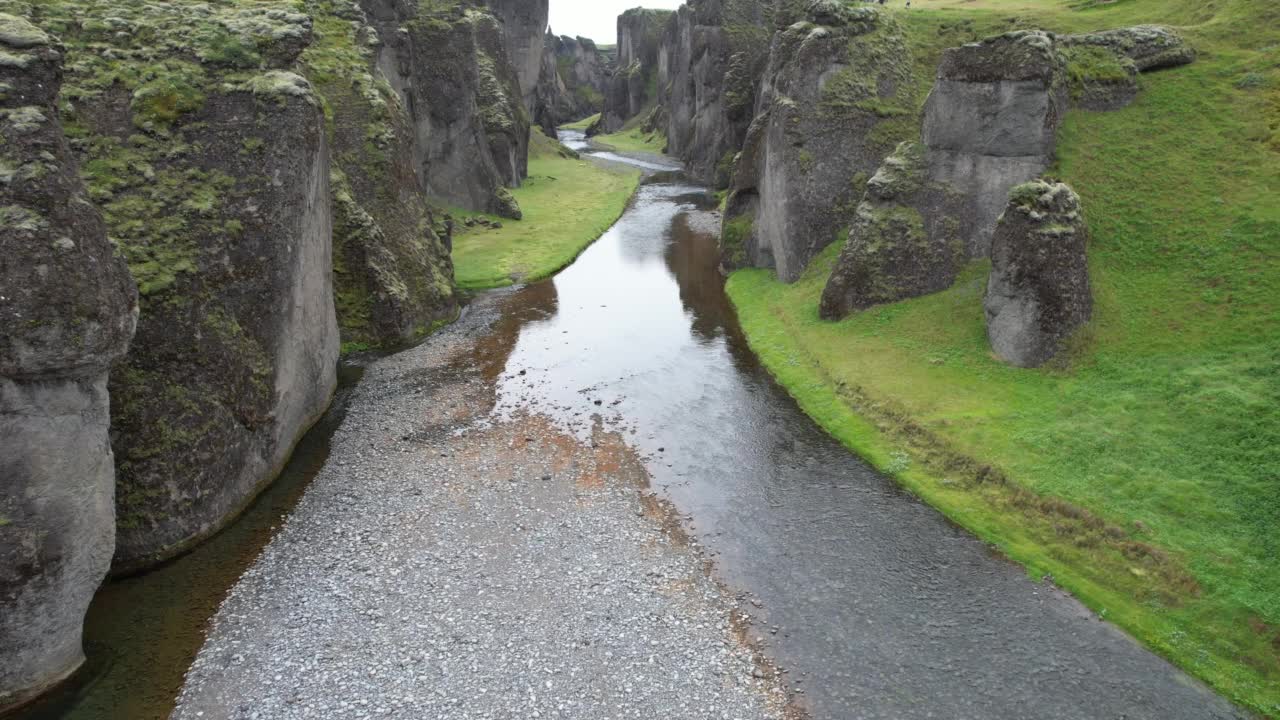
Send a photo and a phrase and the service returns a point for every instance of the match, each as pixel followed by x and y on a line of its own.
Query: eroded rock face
pixel 833 78
pixel 67 311
pixel 236 356
pixel 904 241
pixel 451 71
pixel 573 82
pixel 633 85
pixel 393 274
pixel 524 25
pixel 1103 67
pixel 1038 291
pixel 710 61
pixel 991 123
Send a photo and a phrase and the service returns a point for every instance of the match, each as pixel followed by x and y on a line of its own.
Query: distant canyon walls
pixel 633 87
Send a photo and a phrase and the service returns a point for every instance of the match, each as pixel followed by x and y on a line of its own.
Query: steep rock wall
pixel 710 60
pixel 67 311
pixel 393 274
pixel 633 86
pixel 832 80
pixel 524 25
pixel 463 98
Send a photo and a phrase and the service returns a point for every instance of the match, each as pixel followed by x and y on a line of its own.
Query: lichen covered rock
pixel 834 95
pixel 67 312
pixel 573 82
pixel 903 241
pixel 1038 291
pixel 1103 67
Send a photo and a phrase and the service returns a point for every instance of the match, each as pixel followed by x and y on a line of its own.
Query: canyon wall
pixel 574 79
pixel 68 308
pixel 633 86
pixel 710 59
pixel 266 175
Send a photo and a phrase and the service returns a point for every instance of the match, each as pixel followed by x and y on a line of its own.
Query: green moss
pixel 733 239
pixel 1091 65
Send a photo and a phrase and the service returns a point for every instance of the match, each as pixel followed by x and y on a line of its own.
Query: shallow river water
pixel 882 608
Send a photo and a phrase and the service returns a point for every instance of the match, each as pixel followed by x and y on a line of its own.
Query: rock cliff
pixel 834 78
pixel 524 25
pixel 633 86
pixel 450 68
pixel 67 311
pixel 574 79
pixel 710 59
pixel 1038 290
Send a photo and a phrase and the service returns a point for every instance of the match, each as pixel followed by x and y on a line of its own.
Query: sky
pixel 597 19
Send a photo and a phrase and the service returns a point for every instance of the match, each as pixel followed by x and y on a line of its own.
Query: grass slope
pixel 1142 472
pixel 567 204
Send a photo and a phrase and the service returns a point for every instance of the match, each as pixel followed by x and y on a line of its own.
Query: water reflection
pixel 881 608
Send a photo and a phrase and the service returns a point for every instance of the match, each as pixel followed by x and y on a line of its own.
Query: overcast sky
pixel 597 19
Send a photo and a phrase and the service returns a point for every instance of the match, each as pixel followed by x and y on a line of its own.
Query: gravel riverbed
pixel 447 564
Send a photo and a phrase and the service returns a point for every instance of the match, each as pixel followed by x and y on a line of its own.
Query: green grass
pixel 567 204
pixel 582 124
pixel 1142 470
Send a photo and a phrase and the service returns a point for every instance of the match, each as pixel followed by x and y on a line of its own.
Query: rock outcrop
pixel 835 83
pixel 990 124
pixel 633 86
pixel 904 242
pixel 67 311
pixel 1038 291
pixel 710 60
pixel 451 71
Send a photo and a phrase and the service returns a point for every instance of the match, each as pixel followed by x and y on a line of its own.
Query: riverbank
pixel 449 563
pixel 1140 472
pixel 567 203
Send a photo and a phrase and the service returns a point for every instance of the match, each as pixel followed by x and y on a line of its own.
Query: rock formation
pixel 67 311
pixel 990 123
pixel 1038 290
pixel 633 86
pixel 524 25
pixel 904 242
pixel 710 60
pixel 463 98
pixel 835 81
pixel 574 79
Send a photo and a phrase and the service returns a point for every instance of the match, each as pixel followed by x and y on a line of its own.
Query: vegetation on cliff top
pixel 568 203
pixel 1139 471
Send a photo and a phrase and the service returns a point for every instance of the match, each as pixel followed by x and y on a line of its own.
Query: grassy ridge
pixel 567 204
pixel 1142 471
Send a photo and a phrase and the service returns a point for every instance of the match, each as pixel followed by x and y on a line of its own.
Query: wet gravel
pixel 446 565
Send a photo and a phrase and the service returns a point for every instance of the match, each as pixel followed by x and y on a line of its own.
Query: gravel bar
pixel 444 564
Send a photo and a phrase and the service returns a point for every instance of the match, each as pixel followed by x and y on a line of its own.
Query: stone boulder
pixel 833 79
pixel 1038 291
pixel 68 308
pixel 904 241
